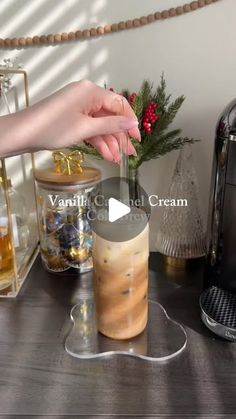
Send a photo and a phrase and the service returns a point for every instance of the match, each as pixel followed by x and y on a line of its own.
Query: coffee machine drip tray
pixel 218 312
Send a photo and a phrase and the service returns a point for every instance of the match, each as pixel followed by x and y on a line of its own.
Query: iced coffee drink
pixel 121 283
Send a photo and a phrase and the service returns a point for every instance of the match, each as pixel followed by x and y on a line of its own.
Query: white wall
pixel 196 52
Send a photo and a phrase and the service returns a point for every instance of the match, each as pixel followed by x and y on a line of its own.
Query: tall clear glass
pixel 121 282
pixel 120 258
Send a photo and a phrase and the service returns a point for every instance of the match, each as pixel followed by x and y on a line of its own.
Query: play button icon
pixel 120 210
pixel 117 210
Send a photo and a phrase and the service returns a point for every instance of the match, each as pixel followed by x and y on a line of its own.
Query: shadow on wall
pixel 111 58
pixel 52 66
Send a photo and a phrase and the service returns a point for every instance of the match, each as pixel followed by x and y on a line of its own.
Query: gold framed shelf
pixel 18 217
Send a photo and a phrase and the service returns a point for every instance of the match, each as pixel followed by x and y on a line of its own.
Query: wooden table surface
pixel 37 376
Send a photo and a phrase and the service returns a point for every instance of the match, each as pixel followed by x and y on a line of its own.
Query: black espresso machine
pixel 218 301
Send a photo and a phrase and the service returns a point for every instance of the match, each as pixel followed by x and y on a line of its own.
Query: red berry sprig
pixel 150 117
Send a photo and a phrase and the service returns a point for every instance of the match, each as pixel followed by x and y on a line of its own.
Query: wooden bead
pixel 36 40
pixel 151 18
pixel 186 8
pixel 100 30
pixel 78 34
pixel 165 14
pixel 194 5
pixel 114 27
pixel 14 42
pixel 57 37
pixel 29 41
pixel 157 15
pixel 107 28
pixel 143 20
pixel 86 33
pixel 51 38
pixel 179 10
pixel 1 42
pixel 136 23
pixel 93 32
pixel 64 37
pixel 201 3
pixel 43 39
pixel 172 12
pixel 129 24
pixel 121 26
pixel 22 42
pixel 8 42
pixel 71 36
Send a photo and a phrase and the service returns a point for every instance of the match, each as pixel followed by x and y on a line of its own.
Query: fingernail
pixel 132 152
pixel 128 124
pixel 138 138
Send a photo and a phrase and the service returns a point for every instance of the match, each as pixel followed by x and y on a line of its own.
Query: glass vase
pixel 181 233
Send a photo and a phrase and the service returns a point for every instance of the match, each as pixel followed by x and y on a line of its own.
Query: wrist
pixel 13 138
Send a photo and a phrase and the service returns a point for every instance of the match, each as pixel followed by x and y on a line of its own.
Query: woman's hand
pixel 80 111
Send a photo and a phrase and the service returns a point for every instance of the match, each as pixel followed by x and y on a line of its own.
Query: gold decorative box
pixel 18 219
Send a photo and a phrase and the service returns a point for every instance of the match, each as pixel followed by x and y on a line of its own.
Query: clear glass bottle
pixel 6 253
pixel 19 218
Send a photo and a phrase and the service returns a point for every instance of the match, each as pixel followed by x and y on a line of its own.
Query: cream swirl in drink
pixel 121 283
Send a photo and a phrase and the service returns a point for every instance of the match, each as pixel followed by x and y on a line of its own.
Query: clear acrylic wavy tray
pixel 162 339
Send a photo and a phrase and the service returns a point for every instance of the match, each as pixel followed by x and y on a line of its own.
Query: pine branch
pixel 160 96
pixel 146 92
pixel 174 108
pixel 138 106
pixel 165 146
pixel 176 145
pixel 168 115
pixel 142 99
pixel 169 135
pixel 156 141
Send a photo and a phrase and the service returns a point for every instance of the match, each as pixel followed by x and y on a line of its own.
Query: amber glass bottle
pixel 6 254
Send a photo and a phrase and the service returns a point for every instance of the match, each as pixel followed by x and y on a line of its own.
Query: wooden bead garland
pixel 78 34
pixel 157 15
pixel 114 27
pixel 121 26
pixel 50 39
pixel 151 18
pixel 107 28
pixel 71 36
pixel 129 24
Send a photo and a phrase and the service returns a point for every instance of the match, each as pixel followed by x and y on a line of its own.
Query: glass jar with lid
pixel 64 202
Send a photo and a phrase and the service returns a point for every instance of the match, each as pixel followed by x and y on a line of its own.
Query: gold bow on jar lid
pixel 68 164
